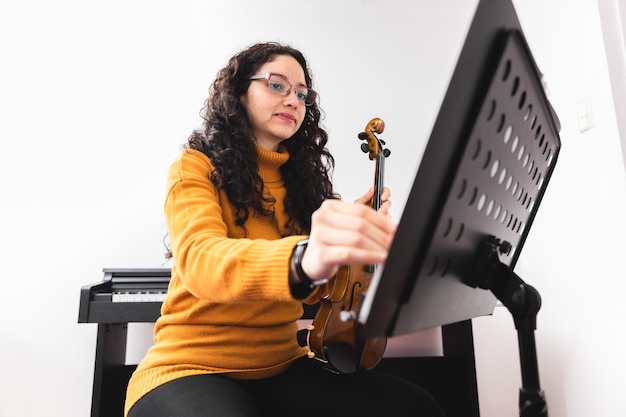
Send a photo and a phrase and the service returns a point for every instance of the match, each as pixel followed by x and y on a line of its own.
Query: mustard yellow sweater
pixel 229 308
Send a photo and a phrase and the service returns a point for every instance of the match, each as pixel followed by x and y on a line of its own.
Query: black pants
pixel 305 389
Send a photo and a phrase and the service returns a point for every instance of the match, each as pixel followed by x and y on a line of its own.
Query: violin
pixel 332 336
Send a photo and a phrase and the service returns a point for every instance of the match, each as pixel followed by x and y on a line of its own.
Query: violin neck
pixel 378 181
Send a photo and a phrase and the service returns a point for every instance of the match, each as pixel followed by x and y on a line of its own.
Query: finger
pixel 384 208
pixel 366 198
pixel 386 194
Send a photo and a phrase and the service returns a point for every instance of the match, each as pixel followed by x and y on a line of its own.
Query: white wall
pixel 96 97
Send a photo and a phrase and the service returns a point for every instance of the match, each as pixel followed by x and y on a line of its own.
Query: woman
pixel 256 230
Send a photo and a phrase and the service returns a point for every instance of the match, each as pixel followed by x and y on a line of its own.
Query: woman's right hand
pixel 346 233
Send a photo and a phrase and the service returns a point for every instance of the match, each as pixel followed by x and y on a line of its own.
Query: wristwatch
pixel 298 252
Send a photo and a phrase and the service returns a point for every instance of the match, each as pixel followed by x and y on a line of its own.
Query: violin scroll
pixel 374 145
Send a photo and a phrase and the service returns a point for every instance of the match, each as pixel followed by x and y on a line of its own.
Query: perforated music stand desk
pixel 484 171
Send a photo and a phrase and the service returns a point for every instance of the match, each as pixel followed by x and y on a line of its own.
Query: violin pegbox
pixel 373 145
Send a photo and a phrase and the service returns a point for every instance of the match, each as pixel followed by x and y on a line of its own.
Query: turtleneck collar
pixel 270 162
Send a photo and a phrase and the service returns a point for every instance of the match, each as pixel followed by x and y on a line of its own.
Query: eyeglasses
pixel 278 84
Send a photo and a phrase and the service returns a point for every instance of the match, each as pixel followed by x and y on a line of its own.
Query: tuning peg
pixel 365 148
pixel 386 153
pixel 363 136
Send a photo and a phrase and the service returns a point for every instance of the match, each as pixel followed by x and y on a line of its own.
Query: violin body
pixel 333 334
pixel 332 337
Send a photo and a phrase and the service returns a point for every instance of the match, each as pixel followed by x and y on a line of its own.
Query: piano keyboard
pixel 124 295
pixel 138 297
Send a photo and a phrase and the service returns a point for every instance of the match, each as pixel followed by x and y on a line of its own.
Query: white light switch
pixel 584 115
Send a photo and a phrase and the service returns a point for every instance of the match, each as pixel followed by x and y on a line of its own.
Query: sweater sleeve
pixel 213 265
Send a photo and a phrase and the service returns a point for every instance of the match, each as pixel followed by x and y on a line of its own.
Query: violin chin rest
pixel 302 337
pixel 342 357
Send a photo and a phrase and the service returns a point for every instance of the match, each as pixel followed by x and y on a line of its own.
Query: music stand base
pixel 532 403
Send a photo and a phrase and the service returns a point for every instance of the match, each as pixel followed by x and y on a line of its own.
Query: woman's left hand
pixel 384 196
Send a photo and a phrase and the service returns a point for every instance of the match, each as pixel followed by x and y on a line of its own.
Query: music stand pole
pixel 523 302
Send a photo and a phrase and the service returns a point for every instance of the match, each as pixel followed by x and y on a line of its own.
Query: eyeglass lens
pixel 281 86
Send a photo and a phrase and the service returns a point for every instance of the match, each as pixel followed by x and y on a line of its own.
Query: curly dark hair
pixel 226 137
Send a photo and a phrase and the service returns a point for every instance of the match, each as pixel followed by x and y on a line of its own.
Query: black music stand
pixel 483 174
